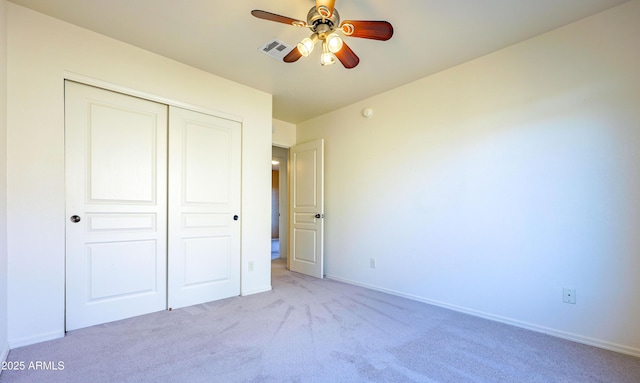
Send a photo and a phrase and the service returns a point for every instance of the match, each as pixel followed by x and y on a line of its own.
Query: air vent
pixel 276 49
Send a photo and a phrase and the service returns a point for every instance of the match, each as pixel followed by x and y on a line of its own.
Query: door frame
pixel 86 80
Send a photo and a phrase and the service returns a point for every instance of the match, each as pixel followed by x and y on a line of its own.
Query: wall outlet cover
pixel 569 296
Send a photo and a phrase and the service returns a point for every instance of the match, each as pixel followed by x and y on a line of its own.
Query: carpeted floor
pixel 309 330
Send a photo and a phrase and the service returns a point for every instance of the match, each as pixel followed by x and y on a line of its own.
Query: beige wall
pixel 4 343
pixel 489 187
pixel 42 52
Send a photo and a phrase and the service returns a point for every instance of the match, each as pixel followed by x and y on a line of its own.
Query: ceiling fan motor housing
pixel 323 25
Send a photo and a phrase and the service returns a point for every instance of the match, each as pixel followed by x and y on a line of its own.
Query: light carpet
pixel 311 330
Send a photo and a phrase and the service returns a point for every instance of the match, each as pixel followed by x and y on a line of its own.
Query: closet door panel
pixel 204 208
pixel 115 155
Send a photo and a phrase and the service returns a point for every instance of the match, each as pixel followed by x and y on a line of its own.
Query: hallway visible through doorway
pixel 279 202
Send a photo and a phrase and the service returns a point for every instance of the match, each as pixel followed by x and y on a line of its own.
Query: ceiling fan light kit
pixel 324 21
pixel 327 58
pixel 307 44
pixel 334 42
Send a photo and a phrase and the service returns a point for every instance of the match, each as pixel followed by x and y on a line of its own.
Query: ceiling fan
pixel 324 21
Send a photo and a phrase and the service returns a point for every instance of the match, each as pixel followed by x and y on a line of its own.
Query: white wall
pixel 40 51
pixel 489 187
pixel 4 342
pixel 284 134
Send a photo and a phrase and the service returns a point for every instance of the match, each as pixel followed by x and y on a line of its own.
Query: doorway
pixel 279 203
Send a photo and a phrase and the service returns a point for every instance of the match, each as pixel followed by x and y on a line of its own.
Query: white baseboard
pixel 256 291
pixel 35 339
pixel 510 321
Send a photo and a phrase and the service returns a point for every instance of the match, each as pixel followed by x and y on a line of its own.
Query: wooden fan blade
pixel 277 18
pixel 375 30
pixel 292 56
pixel 328 4
pixel 347 57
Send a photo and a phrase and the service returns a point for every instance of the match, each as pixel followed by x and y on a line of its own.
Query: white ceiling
pixel 221 37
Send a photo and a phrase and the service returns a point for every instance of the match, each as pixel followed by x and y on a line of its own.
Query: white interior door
pixel 307 209
pixel 116 167
pixel 204 208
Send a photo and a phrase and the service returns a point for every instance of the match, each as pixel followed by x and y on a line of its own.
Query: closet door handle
pixel 235 217
pixel 74 218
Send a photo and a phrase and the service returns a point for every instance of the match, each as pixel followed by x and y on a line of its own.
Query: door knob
pixel 318 215
pixel 74 218
pixel 235 217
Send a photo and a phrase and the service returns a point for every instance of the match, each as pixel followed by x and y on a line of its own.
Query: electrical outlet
pixel 250 265
pixel 372 263
pixel 569 296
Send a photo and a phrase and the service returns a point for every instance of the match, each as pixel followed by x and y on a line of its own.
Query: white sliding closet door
pixel 116 177
pixel 204 208
pixel 152 209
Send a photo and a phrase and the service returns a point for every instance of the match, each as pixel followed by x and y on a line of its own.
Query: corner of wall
pixel 283 133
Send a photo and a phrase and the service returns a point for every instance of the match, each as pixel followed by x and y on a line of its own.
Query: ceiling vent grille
pixel 275 48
